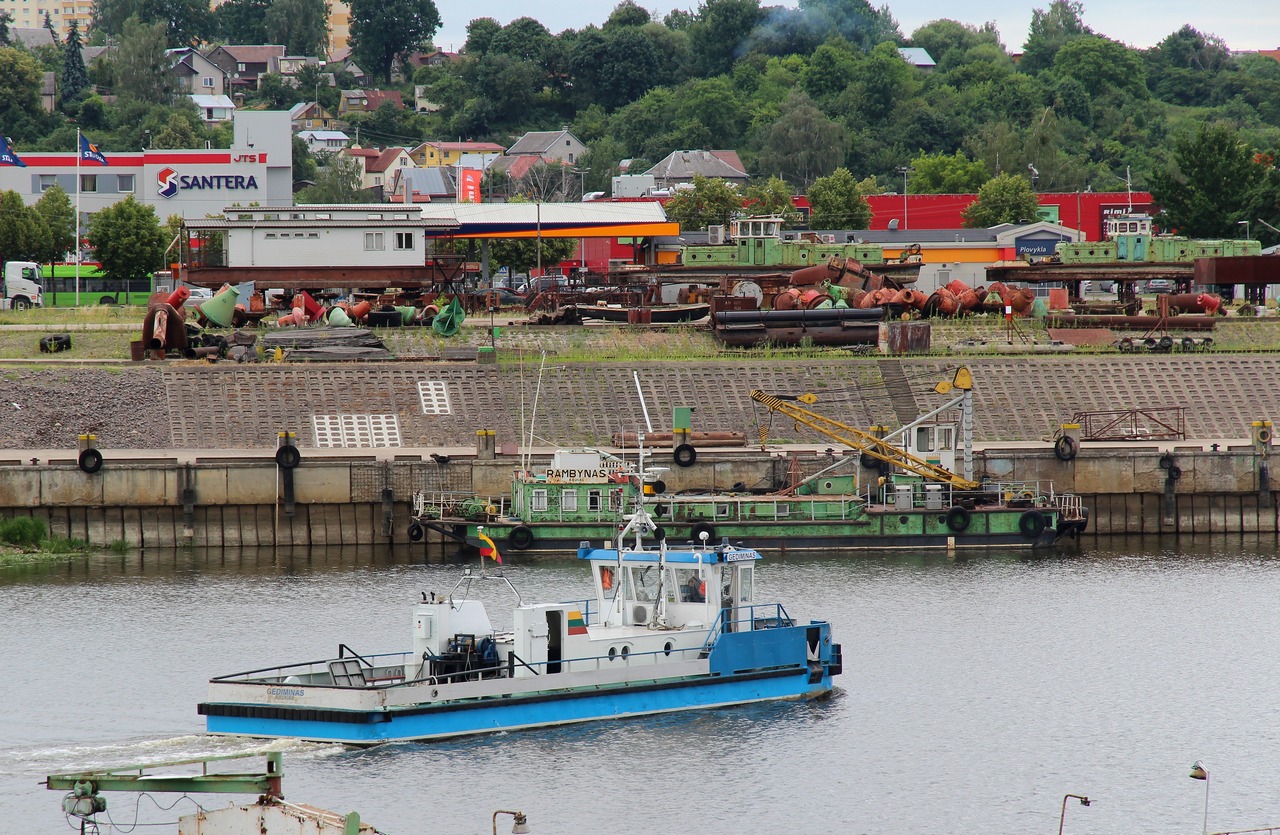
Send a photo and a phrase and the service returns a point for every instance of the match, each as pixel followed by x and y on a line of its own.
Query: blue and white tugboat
pixel 667 630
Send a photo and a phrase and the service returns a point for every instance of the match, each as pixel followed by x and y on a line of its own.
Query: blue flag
pixel 89 151
pixel 7 156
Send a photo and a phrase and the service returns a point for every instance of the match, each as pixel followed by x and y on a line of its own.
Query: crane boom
pixel 864 442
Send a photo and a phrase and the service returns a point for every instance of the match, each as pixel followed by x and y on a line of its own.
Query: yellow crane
pixel 865 442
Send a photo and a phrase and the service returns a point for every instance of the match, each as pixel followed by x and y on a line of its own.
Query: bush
pixel 22 531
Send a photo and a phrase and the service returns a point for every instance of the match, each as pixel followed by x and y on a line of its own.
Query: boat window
pixel 722 511
pixel 781 509
pixel 924 439
pixel 538 500
pixel 606 581
pixel 644 583
pixel 595 500
pixel 615 500
pixel 945 440
pixel 745 583
pixel 569 501
pixel 691 587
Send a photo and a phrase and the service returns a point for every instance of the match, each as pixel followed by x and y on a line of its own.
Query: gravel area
pixel 49 409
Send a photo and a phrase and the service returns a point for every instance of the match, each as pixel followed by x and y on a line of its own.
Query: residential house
pixel 681 167
pixel 367 101
pixel 424 185
pixel 329 141
pixel 558 145
pixel 378 167
pixel 431 58
pixel 288 65
pixel 348 66
pixel 196 74
pixel 243 64
pixel 422 104
pixel 214 109
pixel 310 115
pixel 917 57
pixel 32 37
pixel 48 91
pixel 430 154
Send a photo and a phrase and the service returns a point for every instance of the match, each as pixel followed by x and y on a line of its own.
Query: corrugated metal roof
pixel 226 223
pixel 524 214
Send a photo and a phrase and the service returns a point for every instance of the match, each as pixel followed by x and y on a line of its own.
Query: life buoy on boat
pixel 521 537
pixel 1032 524
pixel 958 518
pixel 606 577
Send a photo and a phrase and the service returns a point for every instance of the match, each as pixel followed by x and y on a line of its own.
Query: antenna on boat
pixel 644 408
pixel 533 416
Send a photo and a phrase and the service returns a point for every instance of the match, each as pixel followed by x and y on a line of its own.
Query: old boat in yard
pixel 664 630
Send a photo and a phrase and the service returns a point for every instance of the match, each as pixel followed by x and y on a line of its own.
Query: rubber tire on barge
pixel 1032 524
pixel 958 519
pixel 521 537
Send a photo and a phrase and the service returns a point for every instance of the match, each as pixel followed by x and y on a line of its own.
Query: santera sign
pixel 170 182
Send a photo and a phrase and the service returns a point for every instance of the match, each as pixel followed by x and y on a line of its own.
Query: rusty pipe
pixel 159 327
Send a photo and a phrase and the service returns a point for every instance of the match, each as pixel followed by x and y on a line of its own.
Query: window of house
pixel 47 181
pixel 89 183
pixel 124 183
pixel 373 241
pixel 207 81
pixel 271 236
pixel 240 67
pixel 404 240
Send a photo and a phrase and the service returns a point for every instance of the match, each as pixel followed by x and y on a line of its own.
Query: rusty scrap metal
pixel 1165 423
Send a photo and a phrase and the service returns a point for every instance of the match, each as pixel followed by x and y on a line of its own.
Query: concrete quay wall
pixel 360 500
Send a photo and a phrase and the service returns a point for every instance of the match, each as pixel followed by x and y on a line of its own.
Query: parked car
pixel 508 298
pixel 1161 285
pixel 546 282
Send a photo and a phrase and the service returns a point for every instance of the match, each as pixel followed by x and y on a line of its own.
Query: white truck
pixel 20 286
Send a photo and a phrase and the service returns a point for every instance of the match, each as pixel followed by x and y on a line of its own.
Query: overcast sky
pixel 1139 23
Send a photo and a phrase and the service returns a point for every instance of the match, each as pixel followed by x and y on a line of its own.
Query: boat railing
pixel 747 618
pixel 754 508
pixel 380 667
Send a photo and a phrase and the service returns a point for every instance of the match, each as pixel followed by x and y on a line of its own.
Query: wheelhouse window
pixel 569 501
pixel 538 500
pixel 595 500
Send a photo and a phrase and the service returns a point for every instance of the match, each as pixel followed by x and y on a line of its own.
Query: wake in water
pixel 43 760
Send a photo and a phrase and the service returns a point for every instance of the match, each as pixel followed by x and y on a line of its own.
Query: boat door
pixel 555 639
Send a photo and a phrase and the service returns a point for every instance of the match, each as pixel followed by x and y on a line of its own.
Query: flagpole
pixel 78 155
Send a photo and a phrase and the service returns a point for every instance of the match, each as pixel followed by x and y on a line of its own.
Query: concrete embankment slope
pixel 225 406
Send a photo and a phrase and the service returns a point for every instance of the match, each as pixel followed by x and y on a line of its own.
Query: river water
pixel 977 692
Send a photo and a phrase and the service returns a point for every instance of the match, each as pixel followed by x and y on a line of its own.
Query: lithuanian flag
pixel 488 549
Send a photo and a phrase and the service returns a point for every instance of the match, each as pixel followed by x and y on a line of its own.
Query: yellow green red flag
pixel 488 548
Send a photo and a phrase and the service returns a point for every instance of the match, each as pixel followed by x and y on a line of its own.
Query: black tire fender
pixel 521 537
pixel 1032 524
pixel 685 455
pixel 90 460
pixel 288 457
pixel 695 533
pixel 660 533
pixel 659 487
pixel 416 532
pixel 958 518
pixel 1065 448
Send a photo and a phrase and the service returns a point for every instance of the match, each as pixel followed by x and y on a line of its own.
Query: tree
pixel 520 255
pixel 142 65
pixel 242 21
pixel 302 26
pixel 613 67
pixel 627 13
pixel 6 18
pixel 772 197
pixel 721 28
pixel 177 132
pixel 939 37
pixel 711 201
pixel 802 144
pixel 59 216
pixel 1050 30
pixel 186 22
pixel 1102 66
pixel 20 235
pixel 74 78
pixel 337 182
pixel 1007 198
pixel 480 34
pixel 1210 183
pixel 304 163
pixel 946 174
pixel 836 202
pixel 127 240
pixel 382 30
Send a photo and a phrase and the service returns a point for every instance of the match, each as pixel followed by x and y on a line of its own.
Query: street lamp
pixel 520 826
pixel 904 170
pixel 1245 224
pixel 582 242
pixel 1084 801
pixel 1199 772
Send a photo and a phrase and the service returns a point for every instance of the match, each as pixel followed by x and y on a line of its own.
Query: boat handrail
pixel 723 623
pixel 314 666
pixel 344 651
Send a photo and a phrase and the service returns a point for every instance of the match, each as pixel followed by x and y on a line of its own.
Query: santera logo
pixel 170 182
